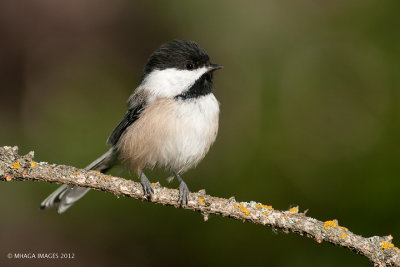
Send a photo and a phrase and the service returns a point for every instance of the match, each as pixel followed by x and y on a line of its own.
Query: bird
pixel 171 122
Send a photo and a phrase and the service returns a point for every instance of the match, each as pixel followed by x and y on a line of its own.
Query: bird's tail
pixel 66 195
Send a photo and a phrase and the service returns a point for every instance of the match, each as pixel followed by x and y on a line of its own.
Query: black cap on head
pixel 179 54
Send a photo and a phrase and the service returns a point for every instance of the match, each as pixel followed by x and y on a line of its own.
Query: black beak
pixel 213 67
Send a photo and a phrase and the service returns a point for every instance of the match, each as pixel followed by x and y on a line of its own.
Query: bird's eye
pixel 189 66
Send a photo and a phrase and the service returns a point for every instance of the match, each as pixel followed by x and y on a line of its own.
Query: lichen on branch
pixel 379 250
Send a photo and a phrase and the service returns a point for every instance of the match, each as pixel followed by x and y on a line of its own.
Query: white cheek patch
pixel 171 82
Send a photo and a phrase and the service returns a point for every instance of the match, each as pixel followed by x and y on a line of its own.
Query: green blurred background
pixel 310 117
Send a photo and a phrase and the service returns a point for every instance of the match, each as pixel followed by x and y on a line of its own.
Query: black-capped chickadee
pixel 171 122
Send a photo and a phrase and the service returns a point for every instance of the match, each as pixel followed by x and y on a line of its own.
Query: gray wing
pixel 136 104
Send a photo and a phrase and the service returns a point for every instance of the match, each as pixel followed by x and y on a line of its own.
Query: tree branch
pixel 379 250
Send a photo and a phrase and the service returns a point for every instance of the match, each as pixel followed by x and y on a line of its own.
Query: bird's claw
pixel 148 189
pixel 183 193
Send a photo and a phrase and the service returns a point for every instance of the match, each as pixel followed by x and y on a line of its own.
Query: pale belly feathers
pixel 174 134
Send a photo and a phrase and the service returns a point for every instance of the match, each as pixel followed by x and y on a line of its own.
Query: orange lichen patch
pixel 329 224
pixel 265 213
pixel 333 223
pixel 294 210
pixel 76 173
pixel 202 200
pixel 283 217
pixel 155 185
pixel 343 236
pixel 268 207
pixel 236 206
pixel 244 210
pixel 95 171
pixel 8 178
pixel 386 245
pixel 16 165
pixel 262 206
pixel 33 164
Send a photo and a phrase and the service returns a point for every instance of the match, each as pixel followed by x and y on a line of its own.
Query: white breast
pixel 175 134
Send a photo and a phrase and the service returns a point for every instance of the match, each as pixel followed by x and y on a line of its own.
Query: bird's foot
pixel 147 187
pixel 183 193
